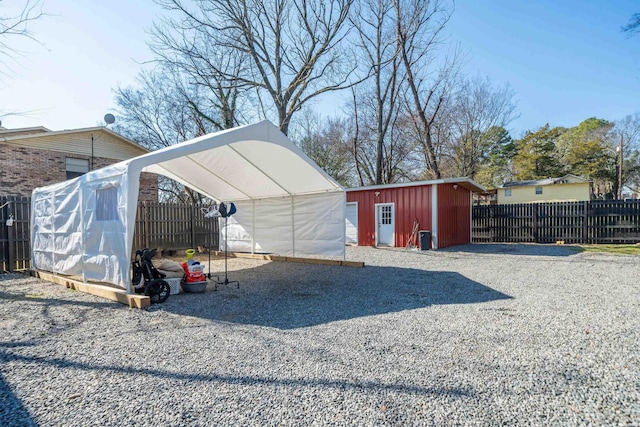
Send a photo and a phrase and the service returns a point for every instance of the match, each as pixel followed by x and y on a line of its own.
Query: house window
pixel 538 190
pixel 76 167
pixel 107 204
pixel 507 192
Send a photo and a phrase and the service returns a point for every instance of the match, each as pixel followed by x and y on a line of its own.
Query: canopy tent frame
pixel 287 205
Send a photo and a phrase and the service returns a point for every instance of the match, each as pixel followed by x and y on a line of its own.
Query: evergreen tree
pixel 537 157
pixel 496 168
pixel 586 150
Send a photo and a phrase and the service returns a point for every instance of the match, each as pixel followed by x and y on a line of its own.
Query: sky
pixel 565 60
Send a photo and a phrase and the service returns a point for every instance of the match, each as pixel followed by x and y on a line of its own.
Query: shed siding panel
pixel 410 203
pixel 454 216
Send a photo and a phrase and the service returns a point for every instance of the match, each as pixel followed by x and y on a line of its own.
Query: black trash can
pixel 425 240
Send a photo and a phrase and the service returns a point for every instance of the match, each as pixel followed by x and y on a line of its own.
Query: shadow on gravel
pixel 515 249
pixel 12 411
pixel 291 295
pixel 134 372
pixel 50 301
pixel 17 292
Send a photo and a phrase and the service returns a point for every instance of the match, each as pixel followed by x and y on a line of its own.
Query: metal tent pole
pixel 226 277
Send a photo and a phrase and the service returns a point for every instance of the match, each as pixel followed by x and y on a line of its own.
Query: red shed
pixel 385 214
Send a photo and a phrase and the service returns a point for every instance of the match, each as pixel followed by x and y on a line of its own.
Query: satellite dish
pixel 109 118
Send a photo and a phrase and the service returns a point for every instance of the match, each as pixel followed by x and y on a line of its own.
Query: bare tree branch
pixel 633 26
pixel 288 49
pixel 419 28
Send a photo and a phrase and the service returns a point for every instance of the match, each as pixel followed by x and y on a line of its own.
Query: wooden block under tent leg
pixel 268 257
pixel 101 290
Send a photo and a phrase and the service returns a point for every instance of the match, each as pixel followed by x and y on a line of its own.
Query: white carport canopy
pixel 285 203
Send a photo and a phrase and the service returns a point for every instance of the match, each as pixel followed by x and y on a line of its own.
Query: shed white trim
pixel 434 216
pixel 468 183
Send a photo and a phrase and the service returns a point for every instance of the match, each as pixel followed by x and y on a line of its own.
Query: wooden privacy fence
pixel 158 225
pixel 592 222
pixel 15 247
pixel 174 226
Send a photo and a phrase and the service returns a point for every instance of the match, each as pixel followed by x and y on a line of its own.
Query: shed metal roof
pixel 465 182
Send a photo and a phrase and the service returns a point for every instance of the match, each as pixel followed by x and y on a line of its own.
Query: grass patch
pixel 613 249
pixel 39 295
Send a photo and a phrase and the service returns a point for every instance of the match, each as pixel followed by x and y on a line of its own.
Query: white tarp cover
pixel 285 203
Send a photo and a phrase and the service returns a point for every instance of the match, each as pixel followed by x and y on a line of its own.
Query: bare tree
pixel 17 26
pixel 327 143
pixel 12 27
pixel 207 67
pixel 158 113
pixel 355 138
pixel 287 49
pixel 628 129
pixel 633 26
pixel 419 32
pixel 475 108
pixel 395 161
pixel 625 136
pixel 400 165
pixel 374 21
pixel 155 112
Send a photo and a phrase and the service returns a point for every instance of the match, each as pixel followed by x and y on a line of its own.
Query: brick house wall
pixel 22 169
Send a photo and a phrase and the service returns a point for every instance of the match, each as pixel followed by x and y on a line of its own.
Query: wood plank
pixel 356 264
pixel 314 261
pixel 268 257
pixel 103 291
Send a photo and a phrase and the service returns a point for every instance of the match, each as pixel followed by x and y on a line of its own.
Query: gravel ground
pixel 473 335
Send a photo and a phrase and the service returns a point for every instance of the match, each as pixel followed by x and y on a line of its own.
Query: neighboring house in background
pixel 487 197
pixel 35 157
pixel 568 188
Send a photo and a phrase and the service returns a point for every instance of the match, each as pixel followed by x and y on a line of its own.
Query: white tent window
pixel 107 204
pixel 286 204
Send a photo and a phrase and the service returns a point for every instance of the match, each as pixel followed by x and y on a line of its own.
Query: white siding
pixel 104 145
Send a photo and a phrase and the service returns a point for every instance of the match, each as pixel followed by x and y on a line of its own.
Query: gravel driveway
pixel 473 335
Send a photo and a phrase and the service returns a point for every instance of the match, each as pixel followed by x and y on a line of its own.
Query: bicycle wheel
pixel 158 291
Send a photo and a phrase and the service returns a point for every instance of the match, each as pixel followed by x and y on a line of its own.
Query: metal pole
pixel 91 151
pixel 620 172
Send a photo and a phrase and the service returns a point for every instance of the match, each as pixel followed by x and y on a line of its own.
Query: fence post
pixel 534 219
pixel 147 225
pixel 4 255
pixel 492 223
pixel 585 222
pixel 12 249
pixel 192 212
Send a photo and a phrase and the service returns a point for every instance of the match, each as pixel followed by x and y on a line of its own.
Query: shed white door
pixel 385 223
pixel 352 223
